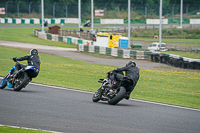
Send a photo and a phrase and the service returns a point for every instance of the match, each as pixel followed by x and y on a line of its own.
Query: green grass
pixel 7 129
pixel 194 42
pixel 25 35
pixel 177 88
pixel 184 54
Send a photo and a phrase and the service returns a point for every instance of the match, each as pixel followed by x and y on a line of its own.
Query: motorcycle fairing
pixel 31 68
pixel 9 85
pixel 12 68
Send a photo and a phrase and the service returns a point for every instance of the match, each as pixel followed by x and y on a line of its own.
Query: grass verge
pixel 184 54
pixel 191 42
pixel 25 35
pixel 176 88
pixel 7 129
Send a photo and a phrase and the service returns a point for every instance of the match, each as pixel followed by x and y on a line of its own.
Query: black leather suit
pixel 32 60
pixel 131 72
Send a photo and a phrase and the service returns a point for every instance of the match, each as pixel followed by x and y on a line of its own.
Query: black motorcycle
pixel 18 79
pixel 87 24
pixel 111 90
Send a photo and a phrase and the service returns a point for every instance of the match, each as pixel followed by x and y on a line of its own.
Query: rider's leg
pixel 129 89
pixel 118 76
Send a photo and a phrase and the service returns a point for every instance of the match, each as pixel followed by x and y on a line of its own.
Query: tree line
pixel 114 1
pixel 141 9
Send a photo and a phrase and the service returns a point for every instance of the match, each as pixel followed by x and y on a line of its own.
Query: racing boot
pixel 127 95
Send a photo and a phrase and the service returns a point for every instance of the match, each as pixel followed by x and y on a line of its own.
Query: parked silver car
pixel 156 46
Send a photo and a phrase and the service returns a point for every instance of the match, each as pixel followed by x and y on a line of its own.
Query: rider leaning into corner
pixel 33 60
pixel 131 72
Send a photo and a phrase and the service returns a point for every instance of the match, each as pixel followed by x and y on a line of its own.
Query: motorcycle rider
pixel 33 60
pixel 131 72
pixel 87 23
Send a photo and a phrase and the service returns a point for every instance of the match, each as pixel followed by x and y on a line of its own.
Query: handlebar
pixel 14 61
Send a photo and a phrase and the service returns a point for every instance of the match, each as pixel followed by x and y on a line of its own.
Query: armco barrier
pixel 156 21
pixel 91 48
pixel 114 52
pixel 96 21
pixel 64 39
pixel 86 48
pixel 122 53
pixel 126 53
pixel 60 38
pixel 111 21
pixel 49 36
pixel 108 51
pixel 96 49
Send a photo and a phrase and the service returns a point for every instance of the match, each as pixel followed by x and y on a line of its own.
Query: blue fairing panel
pixel 31 67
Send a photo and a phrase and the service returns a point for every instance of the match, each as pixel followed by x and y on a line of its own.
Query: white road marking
pixel 31 129
pixel 129 99
pixel 62 88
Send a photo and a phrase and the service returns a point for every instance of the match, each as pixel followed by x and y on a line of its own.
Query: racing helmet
pixel 33 51
pixel 131 63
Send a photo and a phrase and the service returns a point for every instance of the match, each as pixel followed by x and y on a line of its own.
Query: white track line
pixel 61 88
pixel 31 129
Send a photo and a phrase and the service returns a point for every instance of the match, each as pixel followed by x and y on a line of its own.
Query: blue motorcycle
pixel 18 79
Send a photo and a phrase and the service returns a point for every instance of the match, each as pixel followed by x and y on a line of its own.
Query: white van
pixel 157 47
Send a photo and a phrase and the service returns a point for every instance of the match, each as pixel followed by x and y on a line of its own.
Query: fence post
pixel 54 10
pixel 6 8
pixel 18 8
pixel 30 9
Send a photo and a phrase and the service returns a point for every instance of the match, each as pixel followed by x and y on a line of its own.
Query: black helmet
pixel 33 51
pixel 131 63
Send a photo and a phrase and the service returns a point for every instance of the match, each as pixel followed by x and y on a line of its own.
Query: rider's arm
pixel 120 69
pixel 23 58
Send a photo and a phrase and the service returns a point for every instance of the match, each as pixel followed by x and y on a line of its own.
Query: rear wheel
pixel 118 97
pixel 20 81
pixel 3 82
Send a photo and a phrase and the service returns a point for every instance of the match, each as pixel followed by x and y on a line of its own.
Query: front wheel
pixel 119 96
pixel 20 81
pixel 96 97
pixel 3 82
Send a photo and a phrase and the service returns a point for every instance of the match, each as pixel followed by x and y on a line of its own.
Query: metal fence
pixel 119 10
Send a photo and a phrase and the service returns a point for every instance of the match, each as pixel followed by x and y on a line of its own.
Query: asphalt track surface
pixel 72 111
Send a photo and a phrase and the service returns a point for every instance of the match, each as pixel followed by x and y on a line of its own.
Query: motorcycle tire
pixel 20 81
pixel 3 83
pixel 95 97
pixel 118 97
